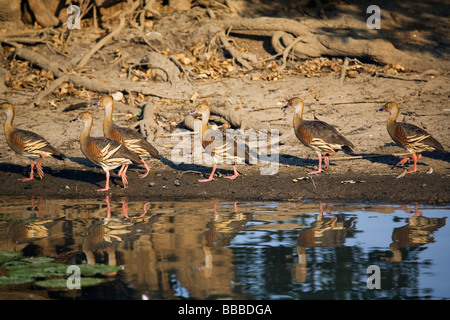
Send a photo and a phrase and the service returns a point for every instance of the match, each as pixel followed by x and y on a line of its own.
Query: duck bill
pixel 74 120
pixel 382 109
pixel 285 108
pixel 193 112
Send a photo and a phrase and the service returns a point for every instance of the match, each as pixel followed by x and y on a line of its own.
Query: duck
pixel 409 136
pixel 27 143
pixel 219 149
pixel 317 135
pixel 105 152
pixel 130 138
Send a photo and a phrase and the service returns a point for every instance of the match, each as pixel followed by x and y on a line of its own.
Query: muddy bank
pixel 181 183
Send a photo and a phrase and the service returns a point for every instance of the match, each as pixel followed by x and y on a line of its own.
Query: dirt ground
pixel 351 105
pixel 371 178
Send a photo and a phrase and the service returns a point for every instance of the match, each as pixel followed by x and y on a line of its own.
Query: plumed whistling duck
pixel 105 152
pixel 27 143
pixel 317 135
pixel 220 151
pixel 126 136
pixel 409 136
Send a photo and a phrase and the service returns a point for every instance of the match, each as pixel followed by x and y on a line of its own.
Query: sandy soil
pixel 351 107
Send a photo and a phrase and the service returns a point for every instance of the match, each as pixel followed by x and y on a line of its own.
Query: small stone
pixel 151 184
pixel 177 182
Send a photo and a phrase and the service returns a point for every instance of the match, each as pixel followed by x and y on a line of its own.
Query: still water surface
pixel 235 250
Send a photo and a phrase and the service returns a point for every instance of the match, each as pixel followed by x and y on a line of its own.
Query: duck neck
pixel 8 127
pixel 392 118
pixel 298 115
pixel 85 134
pixel 107 122
pixel 205 120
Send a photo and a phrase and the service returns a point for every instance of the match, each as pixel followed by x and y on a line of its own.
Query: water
pixel 227 250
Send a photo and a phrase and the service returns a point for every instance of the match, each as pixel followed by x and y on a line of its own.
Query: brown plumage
pixel 27 143
pixel 131 139
pixel 409 136
pixel 220 150
pixel 105 152
pixel 317 135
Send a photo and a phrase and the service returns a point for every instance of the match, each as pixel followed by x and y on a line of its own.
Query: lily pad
pixel 26 269
pixel 6 256
pixel 37 260
pixel 15 280
pixel 38 270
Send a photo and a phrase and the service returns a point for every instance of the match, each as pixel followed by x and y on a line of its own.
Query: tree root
pixel 301 42
pixel 161 90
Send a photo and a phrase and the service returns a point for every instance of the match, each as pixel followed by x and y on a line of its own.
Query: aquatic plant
pixel 46 273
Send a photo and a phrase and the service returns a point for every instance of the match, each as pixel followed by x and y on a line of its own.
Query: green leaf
pixel 37 260
pixel 37 270
pixel 6 256
pixel 15 280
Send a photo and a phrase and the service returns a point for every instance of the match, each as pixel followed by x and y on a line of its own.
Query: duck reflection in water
pixel 106 235
pixel 222 228
pixel 324 232
pixel 24 235
pixel 417 232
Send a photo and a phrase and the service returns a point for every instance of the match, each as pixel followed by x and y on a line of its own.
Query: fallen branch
pixel 55 84
pixel 161 90
pixel 235 119
pixel 238 120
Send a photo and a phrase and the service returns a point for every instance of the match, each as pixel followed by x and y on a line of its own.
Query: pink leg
pixel 123 175
pixel 107 183
pixel 119 174
pixel 31 173
pixel 236 174
pixel 211 176
pixel 147 168
pixel 39 167
pixel 122 168
pixel 403 161
pixel 326 160
pixel 415 163
pixel 320 166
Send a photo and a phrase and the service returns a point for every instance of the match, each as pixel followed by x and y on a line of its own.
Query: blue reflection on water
pixel 410 247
